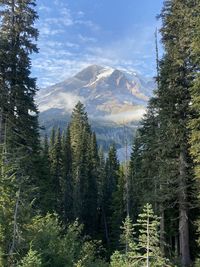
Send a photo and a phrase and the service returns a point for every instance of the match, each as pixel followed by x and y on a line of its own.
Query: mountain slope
pixel 107 93
pixel 112 98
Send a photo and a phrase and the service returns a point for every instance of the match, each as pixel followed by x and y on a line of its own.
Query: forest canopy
pixel 63 202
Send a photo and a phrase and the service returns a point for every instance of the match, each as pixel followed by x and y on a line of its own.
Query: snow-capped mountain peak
pixel 108 94
pixel 101 75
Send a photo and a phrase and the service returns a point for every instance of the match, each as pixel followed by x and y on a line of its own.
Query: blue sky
pixel 77 33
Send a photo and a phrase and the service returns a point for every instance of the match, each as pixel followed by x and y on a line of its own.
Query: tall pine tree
pixel 67 176
pixel 84 164
pixel 18 114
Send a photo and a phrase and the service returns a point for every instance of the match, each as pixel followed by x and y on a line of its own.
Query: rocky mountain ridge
pixel 113 99
pixel 108 94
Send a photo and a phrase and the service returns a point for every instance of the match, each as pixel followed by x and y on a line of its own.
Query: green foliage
pixel 111 194
pixel 1 244
pixel 127 234
pixel 16 207
pixel 148 241
pixel 140 249
pixel 84 169
pixel 197 263
pixel 60 247
pixel 145 179
pixel 118 207
pixel 32 259
pixel 117 260
pixel 69 177
pixel 194 122
pixel 56 174
pixel 44 200
pixel 19 134
pixel 161 168
pixel 67 186
pixel 21 115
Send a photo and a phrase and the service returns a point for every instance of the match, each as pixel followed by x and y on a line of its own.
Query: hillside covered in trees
pixel 63 203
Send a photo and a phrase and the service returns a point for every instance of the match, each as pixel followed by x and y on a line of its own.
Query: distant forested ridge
pixel 62 202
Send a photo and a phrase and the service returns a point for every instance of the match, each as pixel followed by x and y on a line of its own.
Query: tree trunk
pixel 148 241
pixel 183 212
pixel 176 240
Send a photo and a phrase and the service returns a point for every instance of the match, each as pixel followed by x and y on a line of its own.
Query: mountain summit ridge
pixel 109 94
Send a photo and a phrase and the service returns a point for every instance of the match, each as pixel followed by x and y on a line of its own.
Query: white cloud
pixel 125 117
pixel 61 21
pixel 58 62
pixel 54 44
pixel 46 30
pixel 44 8
pixel 80 14
pixel 51 24
pixel 60 59
pixel 86 39
pixel 88 23
pixel 66 100
pixel 59 3
pixel 71 45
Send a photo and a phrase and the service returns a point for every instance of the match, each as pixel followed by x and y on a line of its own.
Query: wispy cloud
pixel 124 117
pixel 88 23
pixel 67 100
pixel 87 39
pixel 70 40
pixel 44 8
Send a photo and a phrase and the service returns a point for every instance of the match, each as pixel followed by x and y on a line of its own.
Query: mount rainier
pixel 112 98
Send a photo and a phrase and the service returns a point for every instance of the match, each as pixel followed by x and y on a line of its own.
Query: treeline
pixel 77 182
pixel 60 195
pixel 166 150
pixel 165 158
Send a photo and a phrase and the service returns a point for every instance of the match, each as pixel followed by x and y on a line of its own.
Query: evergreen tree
pixel 144 162
pixel 60 246
pixel 79 131
pixel 103 224
pixel 92 193
pixel 67 176
pixel 130 254
pixel 4 90
pixel 140 249
pixel 173 104
pixel 44 183
pixel 118 208
pixel 84 166
pixel 112 168
pixel 135 174
pixel 127 236
pixel 161 167
pixel 152 170
pixel 18 119
pixel 149 240
pixel 2 240
pixel 22 115
pixel 32 259
pixel 56 171
pixel 194 35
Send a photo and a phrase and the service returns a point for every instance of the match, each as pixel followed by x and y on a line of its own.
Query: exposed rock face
pixel 108 94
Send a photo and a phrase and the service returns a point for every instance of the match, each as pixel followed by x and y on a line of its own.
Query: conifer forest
pixel 64 202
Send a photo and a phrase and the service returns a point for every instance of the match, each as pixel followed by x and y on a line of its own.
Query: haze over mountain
pixel 112 98
pixel 108 94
